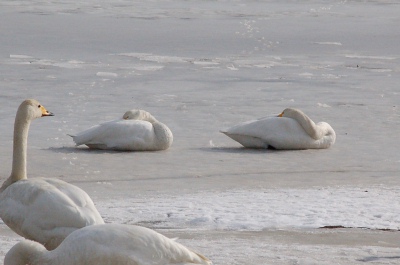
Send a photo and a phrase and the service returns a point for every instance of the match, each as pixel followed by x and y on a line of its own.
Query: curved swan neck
pixel 308 125
pixel 163 134
pixel 150 118
pixel 21 129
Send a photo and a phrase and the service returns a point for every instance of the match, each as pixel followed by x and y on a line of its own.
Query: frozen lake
pixel 199 67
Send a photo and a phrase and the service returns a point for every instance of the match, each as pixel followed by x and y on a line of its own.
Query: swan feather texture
pixel 46 210
pixel 107 244
pixel 292 129
pixel 41 209
pixel 138 130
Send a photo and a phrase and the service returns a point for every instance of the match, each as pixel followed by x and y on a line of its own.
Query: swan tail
pixel 74 139
pixel 203 260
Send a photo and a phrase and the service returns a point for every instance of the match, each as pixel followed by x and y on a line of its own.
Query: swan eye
pixel 39 106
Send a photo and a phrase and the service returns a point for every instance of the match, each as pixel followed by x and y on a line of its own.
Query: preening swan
pixel 138 130
pixel 41 209
pixel 291 129
pixel 107 244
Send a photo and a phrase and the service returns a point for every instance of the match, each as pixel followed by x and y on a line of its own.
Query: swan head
pixel 290 113
pixel 32 109
pixel 137 114
pixel 133 114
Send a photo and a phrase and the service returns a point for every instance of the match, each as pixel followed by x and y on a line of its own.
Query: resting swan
pixel 291 129
pixel 107 244
pixel 138 130
pixel 41 209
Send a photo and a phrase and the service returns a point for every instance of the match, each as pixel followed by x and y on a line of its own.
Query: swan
pixel 138 130
pixel 107 244
pixel 41 209
pixel 291 129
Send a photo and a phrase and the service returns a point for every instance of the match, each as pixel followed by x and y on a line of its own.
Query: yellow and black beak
pixel 45 112
pixel 280 115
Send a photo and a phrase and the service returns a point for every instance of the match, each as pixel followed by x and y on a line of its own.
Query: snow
pixel 373 208
pixel 199 67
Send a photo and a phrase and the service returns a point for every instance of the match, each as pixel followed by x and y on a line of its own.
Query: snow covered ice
pixel 202 66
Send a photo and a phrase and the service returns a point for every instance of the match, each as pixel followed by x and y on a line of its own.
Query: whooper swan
pixel 138 130
pixel 107 244
pixel 291 129
pixel 41 209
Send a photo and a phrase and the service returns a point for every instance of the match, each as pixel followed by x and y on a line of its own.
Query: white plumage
pixel 107 244
pixel 41 209
pixel 292 129
pixel 138 130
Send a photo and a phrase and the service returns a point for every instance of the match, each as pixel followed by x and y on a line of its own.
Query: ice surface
pixel 199 67
pixel 373 208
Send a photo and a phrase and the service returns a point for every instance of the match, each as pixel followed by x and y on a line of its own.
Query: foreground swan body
pixel 138 130
pixel 292 129
pixel 41 209
pixel 107 244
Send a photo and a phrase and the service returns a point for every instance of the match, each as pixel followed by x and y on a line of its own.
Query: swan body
pixel 107 244
pixel 41 209
pixel 138 130
pixel 292 129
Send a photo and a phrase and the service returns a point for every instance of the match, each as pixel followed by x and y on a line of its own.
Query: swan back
pixel 109 244
pixel 46 210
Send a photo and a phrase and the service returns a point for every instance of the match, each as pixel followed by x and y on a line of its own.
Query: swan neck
pixel 150 118
pixel 21 129
pixel 309 126
pixel 163 135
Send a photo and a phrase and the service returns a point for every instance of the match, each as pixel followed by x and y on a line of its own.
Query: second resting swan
pixel 138 130
pixel 45 210
pixel 291 129
pixel 107 244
